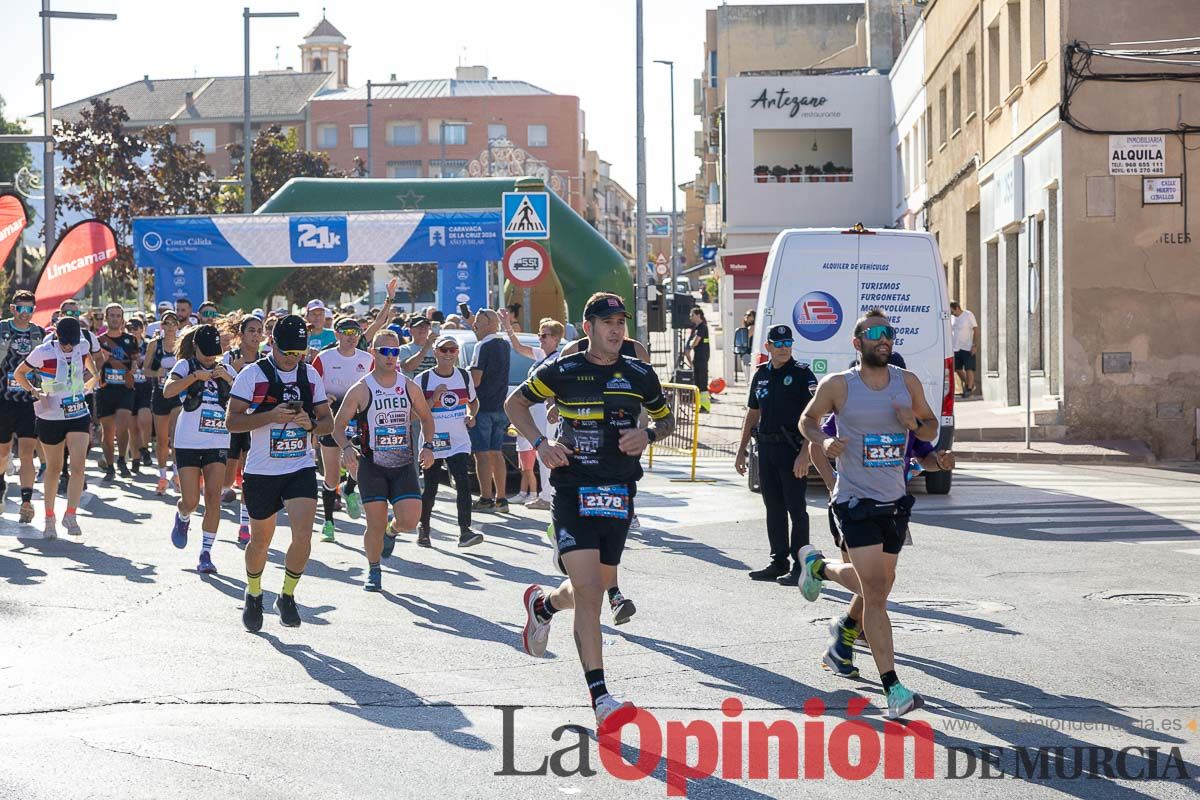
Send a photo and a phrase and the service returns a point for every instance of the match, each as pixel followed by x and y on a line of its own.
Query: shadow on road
pixel 18 573
pixel 449 620
pixel 90 560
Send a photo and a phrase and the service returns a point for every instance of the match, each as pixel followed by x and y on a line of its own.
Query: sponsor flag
pixel 12 222
pixel 80 253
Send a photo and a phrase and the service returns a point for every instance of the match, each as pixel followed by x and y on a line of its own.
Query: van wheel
pixel 938 482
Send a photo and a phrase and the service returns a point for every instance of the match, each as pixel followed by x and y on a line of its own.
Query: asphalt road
pixel 1040 606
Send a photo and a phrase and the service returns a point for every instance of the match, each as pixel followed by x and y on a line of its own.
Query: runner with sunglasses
pixel 63 419
pixel 877 406
pixel 389 408
pixel 450 393
pixel 18 337
pixel 114 400
pixel 142 429
pixel 156 365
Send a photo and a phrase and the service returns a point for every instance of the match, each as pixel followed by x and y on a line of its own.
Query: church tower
pixel 325 50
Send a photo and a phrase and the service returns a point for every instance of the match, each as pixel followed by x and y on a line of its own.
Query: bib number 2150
pixel 288 442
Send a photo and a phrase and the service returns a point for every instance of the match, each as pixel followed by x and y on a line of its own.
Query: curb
pixel 1036 456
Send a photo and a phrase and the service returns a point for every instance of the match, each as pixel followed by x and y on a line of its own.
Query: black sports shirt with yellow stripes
pixel 596 403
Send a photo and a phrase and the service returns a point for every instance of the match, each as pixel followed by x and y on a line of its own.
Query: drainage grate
pixel 1147 598
pixel 910 625
pixel 957 606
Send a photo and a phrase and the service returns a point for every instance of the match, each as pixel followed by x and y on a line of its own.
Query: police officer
pixel 779 391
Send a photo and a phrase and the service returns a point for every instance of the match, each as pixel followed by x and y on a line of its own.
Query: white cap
pixel 313 304
pixel 166 304
pixel 258 312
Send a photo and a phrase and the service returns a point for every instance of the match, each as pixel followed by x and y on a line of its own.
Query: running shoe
pixel 810 584
pixel 62 484
pixel 389 544
pixel 423 535
pixel 483 504
pixel 839 656
pixel 793 576
pixel 243 534
pixel 522 498
pixel 123 467
pixel 327 531
pixel 26 514
pixel 353 505
pixel 555 556
pixel 468 538
pixel 611 714
pixel 110 473
pixel 145 455
pixel 50 531
pixel 136 466
pixel 635 524
pixel 229 495
pixel 161 488
pixel 536 633
pixel 206 566
pixel 41 473
pixel 902 700
pixel 374 582
pixel 289 615
pixel 252 612
pixel 623 609
pixel 72 525
pixel 539 504
pixel 390 530
pixel 502 505
pixel 179 532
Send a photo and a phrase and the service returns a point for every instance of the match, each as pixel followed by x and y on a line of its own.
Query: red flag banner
pixel 12 222
pixel 80 253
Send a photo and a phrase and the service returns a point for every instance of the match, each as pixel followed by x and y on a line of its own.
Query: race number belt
pixel 390 438
pixel 212 420
pixel 441 442
pixel 12 383
pixel 884 449
pixel 114 375
pixel 610 502
pixel 288 442
pixel 73 406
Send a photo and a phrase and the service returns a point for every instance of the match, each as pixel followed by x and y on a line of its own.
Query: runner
pixel 279 400
pixel 340 368
pixel 387 405
pixel 595 467
pixel 319 337
pixel 250 336
pixel 62 413
pixel 69 308
pixel 201 438
pixel 114 400
pixel 143 399
pixel 160 358
pixel 18 338
pixel 877 406
pixel 417 355
pixel 450 393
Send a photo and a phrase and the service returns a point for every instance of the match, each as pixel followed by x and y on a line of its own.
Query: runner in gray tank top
pixel 877 405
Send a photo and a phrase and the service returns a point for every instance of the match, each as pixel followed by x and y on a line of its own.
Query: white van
pixel 820 281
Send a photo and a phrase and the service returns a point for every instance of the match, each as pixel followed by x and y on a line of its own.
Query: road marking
pixel 1086 529
pixel 1003 520
pixel 1089 507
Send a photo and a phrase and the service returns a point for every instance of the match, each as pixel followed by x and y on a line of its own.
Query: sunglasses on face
pixel 350 331
pixel 447 350
pixel 296 353
pixel 24 309
pixel 783 343
pixel 877 332
pixel 209 314
pixel 388 352
pixel 74 312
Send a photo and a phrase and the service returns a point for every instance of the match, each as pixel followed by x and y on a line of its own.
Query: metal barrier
pixel 684 400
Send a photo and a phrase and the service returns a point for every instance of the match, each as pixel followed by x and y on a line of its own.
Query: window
pixel 956 114
pixel 971 78
pixel 456 133
pixel 205 137
pixel 712 69
pixel 453 168
pixel 906 166
pixel 404 134
pixel 993 65
pixel 1037 32
pixel 316 65
pixel 497 132
pixel 992 345
pixel 404 169
pixel 327 136
pixel 1037 321
pixel 929 133
pixel 900 187
pixel 823 155
pixel 536 136
pixel 942 116
pixel 358 133
pixel 1014 44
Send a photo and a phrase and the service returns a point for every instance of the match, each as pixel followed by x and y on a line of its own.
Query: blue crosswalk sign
pixel 526 215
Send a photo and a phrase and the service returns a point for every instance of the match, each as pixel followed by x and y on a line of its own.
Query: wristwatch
pixel 427 446
pixel 538 442
pixel 651 435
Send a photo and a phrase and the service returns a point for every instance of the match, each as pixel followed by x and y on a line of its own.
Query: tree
pixel 417 279
pixel 12 156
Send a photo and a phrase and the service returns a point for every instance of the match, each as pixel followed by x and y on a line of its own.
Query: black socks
pixel 329 501
pixel 889 679
pixel 595 682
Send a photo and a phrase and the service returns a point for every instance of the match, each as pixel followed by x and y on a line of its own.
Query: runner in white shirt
pixel 201 438
pixel 450 393
pixel 250 337
pixel 279 400
pixel 156 365
pixel 387 405
pixel 62 413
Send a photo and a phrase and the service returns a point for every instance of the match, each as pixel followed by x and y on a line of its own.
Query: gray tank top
pixel 872 466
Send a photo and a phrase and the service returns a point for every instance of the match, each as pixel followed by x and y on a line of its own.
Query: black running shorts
pixel 378 484
pixel 239 445
pixel 161 406
pixel 265 494
pixel 54 431
pixel 603 525
pixel 887 531
pixel 143 396
pixel 17 419
pixel 113 398
pixel 199 457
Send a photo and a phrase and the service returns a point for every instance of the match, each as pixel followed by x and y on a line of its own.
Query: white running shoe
pixel 536 633
pixel 50 531
pixel 635 524
pixel 611 713
pixel 521 499
pixel 72 525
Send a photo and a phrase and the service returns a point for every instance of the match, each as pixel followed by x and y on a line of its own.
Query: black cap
pixel 291 333
pixel 417 320
pixel 67 331
pixel 208 341
pixel 606 306
pixel 779 332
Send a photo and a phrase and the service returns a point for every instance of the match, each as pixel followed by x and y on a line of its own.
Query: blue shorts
pixel 488 433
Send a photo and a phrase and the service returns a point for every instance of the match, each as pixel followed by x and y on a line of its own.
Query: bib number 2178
pixel 609 502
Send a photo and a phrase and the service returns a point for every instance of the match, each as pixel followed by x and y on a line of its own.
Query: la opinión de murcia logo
pixel 58 270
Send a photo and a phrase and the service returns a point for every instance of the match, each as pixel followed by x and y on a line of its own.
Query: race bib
pixel 610 502
pixel 73 406
pixel 114 375
pixel 351 429
pixel 12 383
pixel 288 442
pixel 884 449
pixel 212 420
pixel 441 442
pixel 139 377
pixel 390 438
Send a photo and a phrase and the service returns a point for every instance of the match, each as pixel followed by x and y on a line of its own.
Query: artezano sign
pixel 786 101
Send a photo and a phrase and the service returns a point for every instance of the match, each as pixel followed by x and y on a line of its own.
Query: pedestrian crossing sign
pixel 526 215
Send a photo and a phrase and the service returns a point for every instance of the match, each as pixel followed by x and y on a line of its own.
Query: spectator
pixel 697 354
pixel 489 373
pixel 962 335
pixel 514 316
pixel 453 323
pixel 417 355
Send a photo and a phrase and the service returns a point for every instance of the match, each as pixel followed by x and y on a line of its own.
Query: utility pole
pixel 640 266
pixel 674 212
pixel 247 143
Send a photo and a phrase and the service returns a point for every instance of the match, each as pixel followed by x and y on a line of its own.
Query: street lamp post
pixel 639 269
pixel 371 85
pixel 247 145
pixel 674 190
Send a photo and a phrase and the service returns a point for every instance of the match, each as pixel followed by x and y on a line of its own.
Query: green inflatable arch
pixel 584 261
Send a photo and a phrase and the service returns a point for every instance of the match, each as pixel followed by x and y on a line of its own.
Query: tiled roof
pixel 151 101
pixel 324 28
pixel 438 87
